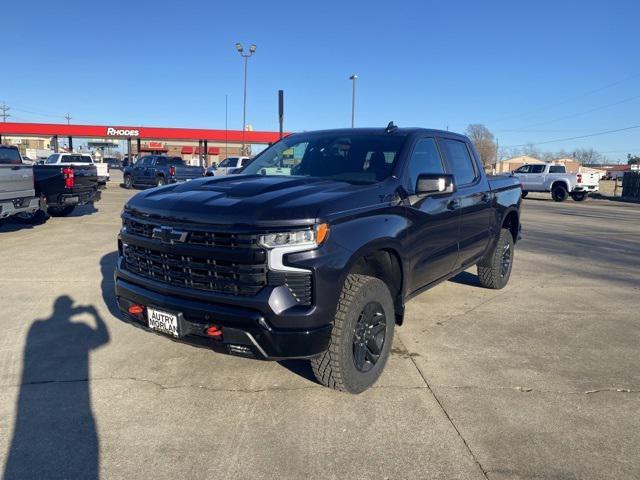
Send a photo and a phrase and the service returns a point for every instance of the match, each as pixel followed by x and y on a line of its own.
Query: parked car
pixel 229 164
pixel 63 188
pixel 113 163
pixel 547 177
pixel 64 159
pixel 158 170
pixel 18 197
pixel 210 171
pixel 315 257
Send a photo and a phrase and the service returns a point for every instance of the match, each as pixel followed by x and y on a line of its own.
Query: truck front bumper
pixel 245 331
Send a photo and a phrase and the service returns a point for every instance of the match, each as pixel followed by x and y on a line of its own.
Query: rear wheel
pixel 361 337
pixel 160 181
pixel 579 196
pixel 31 218
pixel 495 269
pixel 128 181
pixel 559 193
pixel 61 211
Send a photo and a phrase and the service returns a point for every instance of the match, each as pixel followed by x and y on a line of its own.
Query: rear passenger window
pixel 424 159
pixel 462 166
pixel 557 169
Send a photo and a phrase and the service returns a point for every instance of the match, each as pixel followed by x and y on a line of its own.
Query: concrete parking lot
pixel 539 380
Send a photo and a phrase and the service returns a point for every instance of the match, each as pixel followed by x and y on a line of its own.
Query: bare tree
pixel 484 142
pixel 587 156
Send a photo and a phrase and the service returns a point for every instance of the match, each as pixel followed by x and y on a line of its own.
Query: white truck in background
pixel 548 177
pixel 80 159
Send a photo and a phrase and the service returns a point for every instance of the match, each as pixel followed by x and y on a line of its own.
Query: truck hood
pixel 254 200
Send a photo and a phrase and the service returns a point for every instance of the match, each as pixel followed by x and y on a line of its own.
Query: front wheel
pixel 128 181
pixel 31 218
pixel 61 211
pixel 361 337
pixel 579 196
pixel 495 269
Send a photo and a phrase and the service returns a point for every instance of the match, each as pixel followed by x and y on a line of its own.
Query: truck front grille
pixel 218 262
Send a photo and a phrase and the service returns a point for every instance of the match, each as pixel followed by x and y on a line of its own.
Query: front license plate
pixel 163 321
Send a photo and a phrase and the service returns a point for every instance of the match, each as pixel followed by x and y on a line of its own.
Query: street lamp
pixel 353 100
pixel 252 50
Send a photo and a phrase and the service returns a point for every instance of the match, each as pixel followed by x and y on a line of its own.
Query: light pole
pixel 353 78
pixel 252 50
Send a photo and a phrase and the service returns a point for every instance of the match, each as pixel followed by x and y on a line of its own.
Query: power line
pixel 564 102
pixel 573 115
pixel 576 138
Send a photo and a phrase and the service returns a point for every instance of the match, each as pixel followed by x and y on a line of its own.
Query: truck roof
pixel 383 131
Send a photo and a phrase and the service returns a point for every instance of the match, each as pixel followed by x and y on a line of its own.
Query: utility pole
pixel 497 153
pixel 68 117
pixel 226 125
pixel 353 100
pixel 5 109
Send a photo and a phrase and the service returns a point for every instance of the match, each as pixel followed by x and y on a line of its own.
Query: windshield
pixel 9 156
pixel 354 158
pixel 176 161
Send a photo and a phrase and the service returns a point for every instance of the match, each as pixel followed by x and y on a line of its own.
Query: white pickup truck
pixel 548 177
pixel 80 159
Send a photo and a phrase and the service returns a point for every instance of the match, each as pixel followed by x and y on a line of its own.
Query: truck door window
pixel 52 158
pixel 557 169
pixel 460 162
pixel 522 169
pixel 536 169
pixel 425 158
pixel 161 162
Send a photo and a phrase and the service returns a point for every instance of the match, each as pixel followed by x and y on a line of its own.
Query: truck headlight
pixel 300 239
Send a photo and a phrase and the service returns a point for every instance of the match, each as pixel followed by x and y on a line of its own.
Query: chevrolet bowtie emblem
pixel 169 235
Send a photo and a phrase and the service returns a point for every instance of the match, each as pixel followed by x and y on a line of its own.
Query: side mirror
pixel 434 184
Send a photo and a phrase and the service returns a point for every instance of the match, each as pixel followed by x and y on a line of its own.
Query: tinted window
pixel 557 169
pixel 176 161
pixel 536 169
pixel 75 159
pixel 52 158
pixel 145 161
pixel 161 162
pixel 229 162
pixel 522 169
pixel 244 161
pixel 460 161
pixel 348 157
pixel 424 159
pixel 9 156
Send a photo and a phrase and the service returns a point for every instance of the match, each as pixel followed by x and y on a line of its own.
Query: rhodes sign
pixel 122 132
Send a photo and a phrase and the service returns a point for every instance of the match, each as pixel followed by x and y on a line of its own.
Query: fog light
pixel 136 309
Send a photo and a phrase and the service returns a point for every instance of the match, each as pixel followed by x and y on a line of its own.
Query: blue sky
pixel 531 72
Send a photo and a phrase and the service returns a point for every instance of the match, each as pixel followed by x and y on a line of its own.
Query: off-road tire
pixel 160 181
pixel 559 193
pixel 127 181
pixel 524 194
pixel 579 196
pixel 61 211
pixel 35 218
pixel 336 367
pixel 490 269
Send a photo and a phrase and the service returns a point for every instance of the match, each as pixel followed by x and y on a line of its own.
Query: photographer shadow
pixel 55 432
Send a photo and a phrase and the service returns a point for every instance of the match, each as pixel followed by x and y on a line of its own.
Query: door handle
pixel 454 204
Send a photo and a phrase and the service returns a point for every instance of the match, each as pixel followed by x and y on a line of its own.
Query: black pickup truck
pixel 65 187
pixel 314 249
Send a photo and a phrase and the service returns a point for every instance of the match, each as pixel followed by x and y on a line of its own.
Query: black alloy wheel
pixel 369 336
